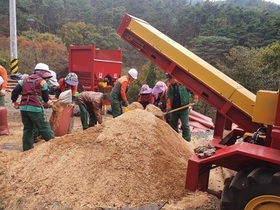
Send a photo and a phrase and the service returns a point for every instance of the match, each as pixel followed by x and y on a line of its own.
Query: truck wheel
pixel 252 189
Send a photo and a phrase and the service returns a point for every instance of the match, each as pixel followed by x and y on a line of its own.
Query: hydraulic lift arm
pixel 232 101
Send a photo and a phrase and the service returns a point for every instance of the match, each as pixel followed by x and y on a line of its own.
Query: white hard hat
pixel 1 80
pixel 42 66
pixel 133 73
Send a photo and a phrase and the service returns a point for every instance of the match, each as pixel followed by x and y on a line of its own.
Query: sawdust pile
pixel 132 160
pixel 135 105
pixel 155 110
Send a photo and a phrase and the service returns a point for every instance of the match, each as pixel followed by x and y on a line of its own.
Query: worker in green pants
pixel 33 120
pixel 34 97
pixel 179 96
pixel 90 104
pixel 118 93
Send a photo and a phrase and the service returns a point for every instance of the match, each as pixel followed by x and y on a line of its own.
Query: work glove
pixel 16 105
pixel 126 104
pixel 48 104
pixel 2 92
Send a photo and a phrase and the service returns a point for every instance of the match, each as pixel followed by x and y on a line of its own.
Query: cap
pixel 145 89
pixel 159 88
pixel 72 79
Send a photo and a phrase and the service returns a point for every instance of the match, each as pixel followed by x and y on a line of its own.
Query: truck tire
pixel 252 189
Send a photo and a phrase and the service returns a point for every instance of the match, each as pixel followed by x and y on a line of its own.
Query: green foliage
pixel 250 28
pixel 133 91
pixel 78 33
pixel 3 62
pixel 271 57
pixel 211 48
pixel 246 67
pixel 105 37
pixel 47 37
pixel 151 75
pixel 41 37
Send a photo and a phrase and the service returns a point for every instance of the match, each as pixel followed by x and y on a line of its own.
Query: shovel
pixel 177 109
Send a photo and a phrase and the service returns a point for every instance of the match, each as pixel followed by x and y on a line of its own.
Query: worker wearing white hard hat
pixel 133 73
pixel 43 70
pixel 118 93
pixel 34 97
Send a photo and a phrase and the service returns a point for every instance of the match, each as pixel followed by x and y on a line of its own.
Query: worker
pixel 159 93
pixel 35 96
pixel 178 96
pixel 69 82
pixel 145 96
pixel 3 84
pixel 52 83
pixel 90 104
pixel 118 93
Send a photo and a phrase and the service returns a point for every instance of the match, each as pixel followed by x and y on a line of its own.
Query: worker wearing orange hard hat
pixel 118 93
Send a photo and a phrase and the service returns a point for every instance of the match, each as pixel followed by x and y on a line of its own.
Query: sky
pixel 274 1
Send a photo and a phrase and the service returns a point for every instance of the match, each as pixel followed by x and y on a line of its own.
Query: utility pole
pixel 31 26
pixel 13 38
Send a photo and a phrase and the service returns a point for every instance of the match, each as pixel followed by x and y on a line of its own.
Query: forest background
pixel 239 37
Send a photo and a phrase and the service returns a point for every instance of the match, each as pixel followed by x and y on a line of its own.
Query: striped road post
pixel 14 66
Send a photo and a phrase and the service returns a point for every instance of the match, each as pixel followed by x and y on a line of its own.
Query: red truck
pixel 96 69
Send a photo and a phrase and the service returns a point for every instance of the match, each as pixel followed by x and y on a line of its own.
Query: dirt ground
pixel 135 161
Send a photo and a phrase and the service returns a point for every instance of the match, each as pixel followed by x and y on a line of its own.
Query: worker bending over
pixel 90 104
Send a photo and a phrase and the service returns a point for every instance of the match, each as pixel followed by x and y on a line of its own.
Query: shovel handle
pixel 180 108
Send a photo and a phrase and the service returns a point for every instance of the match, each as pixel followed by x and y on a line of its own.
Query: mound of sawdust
pixel 155 110
pixel 132 160
pixel 135 105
